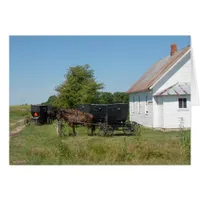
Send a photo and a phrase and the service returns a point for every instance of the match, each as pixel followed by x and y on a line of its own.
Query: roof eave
pixel 137 91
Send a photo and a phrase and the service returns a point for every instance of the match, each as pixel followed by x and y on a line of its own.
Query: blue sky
pixel 38 63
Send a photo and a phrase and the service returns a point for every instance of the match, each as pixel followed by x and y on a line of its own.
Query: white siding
pixel 172 113
pixel 143 118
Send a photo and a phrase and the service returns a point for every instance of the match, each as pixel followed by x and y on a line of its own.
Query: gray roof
pixel 177 89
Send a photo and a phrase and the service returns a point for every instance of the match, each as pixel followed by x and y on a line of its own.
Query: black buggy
pixel 41 114
pixel 111 117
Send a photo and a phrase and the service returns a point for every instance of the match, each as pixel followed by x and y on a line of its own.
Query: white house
pixel 161 97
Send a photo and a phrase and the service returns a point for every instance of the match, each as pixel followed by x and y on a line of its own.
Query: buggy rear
pixel 42 114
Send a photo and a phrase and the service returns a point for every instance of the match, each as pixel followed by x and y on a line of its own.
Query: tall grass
pixel 186 144
pixel 38 145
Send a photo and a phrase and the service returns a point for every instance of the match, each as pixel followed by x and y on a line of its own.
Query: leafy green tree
pixel 51 101
pixel 104 98
pixel 80 86
pixel 120 97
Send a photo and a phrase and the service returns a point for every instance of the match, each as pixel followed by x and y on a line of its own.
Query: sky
pixel 38 63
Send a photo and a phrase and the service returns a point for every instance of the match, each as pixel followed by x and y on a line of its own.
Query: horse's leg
pixel 73 127
pixel 88 126
pixel 93 129
pixel 69 125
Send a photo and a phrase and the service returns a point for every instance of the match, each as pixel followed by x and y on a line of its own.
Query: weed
pixel 186 145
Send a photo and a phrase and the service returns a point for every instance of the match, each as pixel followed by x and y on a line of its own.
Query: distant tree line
pixel 81 87
pixel 24 104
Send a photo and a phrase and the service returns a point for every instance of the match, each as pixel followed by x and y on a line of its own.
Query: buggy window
pixel 97 109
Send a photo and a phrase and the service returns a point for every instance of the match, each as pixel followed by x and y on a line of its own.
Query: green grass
pixel 40 145
pixel 18 113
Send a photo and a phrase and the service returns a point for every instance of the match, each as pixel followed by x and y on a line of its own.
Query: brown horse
pixel 74 117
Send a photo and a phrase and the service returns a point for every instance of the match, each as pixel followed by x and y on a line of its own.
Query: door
pixel 159 113
pixel 111 114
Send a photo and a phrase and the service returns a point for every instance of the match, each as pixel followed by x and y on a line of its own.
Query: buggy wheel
pixel 136 128
pixel 127 129
pixel 27 121
pixel 109 130
pixel 102 129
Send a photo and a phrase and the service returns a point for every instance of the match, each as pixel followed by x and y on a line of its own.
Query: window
pixel 139 104
pixel 133 105
pixel 146 106
pixel 182 102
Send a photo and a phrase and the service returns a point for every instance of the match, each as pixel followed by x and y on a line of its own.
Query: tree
pixel 79 87
pixel 120 97
pixel 104 98
pixel 51 101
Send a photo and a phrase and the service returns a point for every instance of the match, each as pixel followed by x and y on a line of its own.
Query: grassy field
pixel 17 114
pixel 40 145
